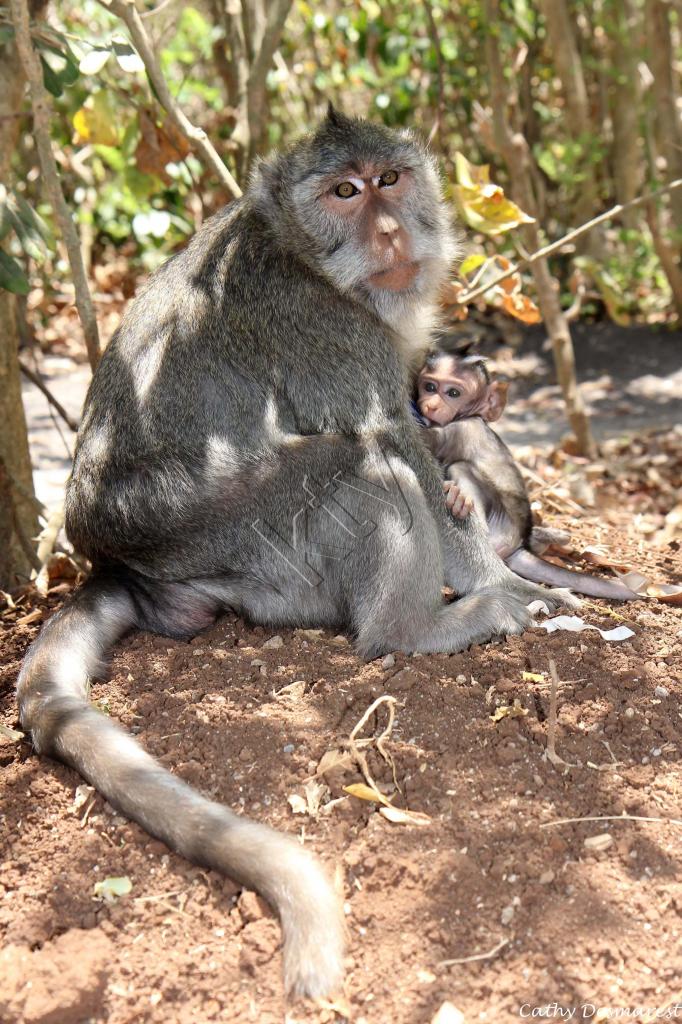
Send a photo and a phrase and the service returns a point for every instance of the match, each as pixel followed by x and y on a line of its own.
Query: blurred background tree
pixel 574 104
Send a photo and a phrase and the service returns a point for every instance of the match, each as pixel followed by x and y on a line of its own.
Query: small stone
pixel 257 663
pixel 289 748
pixel 656 752
pixel 388 661
pixel 507 915
pixel 246 755
pixel 404 680
pixel 339 641
pixel 274 642
pixel 546 877
pixel 629 712
pixel 661 691
pixel 460 680
pixel 598 843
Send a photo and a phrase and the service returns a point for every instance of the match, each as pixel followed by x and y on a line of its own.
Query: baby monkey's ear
pixel 494 400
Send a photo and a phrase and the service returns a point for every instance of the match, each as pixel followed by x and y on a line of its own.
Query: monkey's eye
pixel 346 190
pixel 430 387
pixel 388 178
pixel 453 393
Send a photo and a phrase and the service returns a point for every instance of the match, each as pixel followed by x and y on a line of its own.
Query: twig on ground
pixel 355 745
pixel 550 752
pixel 476 956
pixel 611 817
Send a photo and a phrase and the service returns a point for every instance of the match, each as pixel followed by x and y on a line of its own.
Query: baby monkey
pixel 457 400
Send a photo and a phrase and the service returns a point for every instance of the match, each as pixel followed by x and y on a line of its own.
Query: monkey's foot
pixel 459 503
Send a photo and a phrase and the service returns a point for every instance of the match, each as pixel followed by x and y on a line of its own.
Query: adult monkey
pixel 254 394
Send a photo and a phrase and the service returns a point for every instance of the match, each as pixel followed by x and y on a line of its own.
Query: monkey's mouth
pixel 396 277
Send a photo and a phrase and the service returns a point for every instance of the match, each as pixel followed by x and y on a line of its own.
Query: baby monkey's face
pixel 449 389
pixel 446 391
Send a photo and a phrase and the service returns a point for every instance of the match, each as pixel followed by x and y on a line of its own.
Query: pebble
pixel 507 915
pixel 289 748
pixel 599 843
pixel 246 755
pixel 546 877
pixel 273 642
pixel 661 691
pixel 388 661
pixel 629 712
pixel 461 680
pixel 404 680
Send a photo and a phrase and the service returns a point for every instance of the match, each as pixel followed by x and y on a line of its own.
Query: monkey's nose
pixel 387 225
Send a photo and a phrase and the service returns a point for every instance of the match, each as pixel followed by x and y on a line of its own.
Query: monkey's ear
pixel 494 401
pixel 333 115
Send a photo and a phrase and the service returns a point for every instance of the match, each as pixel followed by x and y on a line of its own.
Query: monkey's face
pixel 446 393
pixel 448 389
pixel 363 205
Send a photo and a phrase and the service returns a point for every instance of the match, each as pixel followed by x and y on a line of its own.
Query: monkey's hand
pixel 460 504
pixel 553 597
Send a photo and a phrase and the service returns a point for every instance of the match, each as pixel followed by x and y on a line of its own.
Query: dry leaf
pixel 515 710
pixel 448 1014
pixel 334 759
pixel 533 677
pixel 364 792
pixel 401 816
pixel 297 803
pixel 667 592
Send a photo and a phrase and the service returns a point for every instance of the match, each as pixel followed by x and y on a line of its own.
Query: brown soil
pixel 597 927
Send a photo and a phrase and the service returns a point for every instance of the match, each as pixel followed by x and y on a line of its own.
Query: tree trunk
pixel 253 29
pixel 668 126
pixel 566 57
pixel 18 519
pixel 514 150
pixel 625 112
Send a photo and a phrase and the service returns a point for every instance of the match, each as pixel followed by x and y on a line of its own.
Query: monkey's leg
pixel 53 699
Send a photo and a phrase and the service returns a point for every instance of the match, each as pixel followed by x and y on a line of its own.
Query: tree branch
pixel 197 138
pixel 547 250
pixel 48 166
pixel 54 402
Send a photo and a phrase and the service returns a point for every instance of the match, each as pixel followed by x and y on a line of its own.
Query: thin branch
pixel 435 40
pixel 476 956
pixel 197 138
pixel 54 402
pixel 611 817
pixel 547 250
pixel 41 128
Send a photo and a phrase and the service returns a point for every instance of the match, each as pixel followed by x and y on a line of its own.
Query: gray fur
pixel 247 444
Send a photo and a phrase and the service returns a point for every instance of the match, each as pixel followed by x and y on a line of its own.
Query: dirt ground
pixel 549 918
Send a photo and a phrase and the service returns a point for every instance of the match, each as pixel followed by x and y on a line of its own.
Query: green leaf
pixel 31 230
pixel 12 276
pixel 51 80
pixel 472 262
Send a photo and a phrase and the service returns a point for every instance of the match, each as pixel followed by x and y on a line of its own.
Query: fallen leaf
pixel 110 889
pixel 515 710
pixel 81 796
pixel 334 759
pixel 667 592
pixel 533 677
pixel 297 803
pixel 11 735
pixel 401 816
pixel 448 1014
pixel 574 624
pixel 364 792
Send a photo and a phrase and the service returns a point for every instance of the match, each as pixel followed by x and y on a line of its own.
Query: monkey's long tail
pixel 528 565
pixel 53 698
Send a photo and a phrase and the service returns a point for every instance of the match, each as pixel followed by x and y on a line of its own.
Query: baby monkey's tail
pixel 531 567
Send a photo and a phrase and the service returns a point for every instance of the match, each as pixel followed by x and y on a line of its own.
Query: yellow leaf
pixel 472 262
pixel 399 816
pixel 96 120
pixel 509 711
pixel 488 210
pixel 363 792
pixel 533 677
pixel 470 175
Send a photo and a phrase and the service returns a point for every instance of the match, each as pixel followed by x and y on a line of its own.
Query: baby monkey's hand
pixel 459 503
